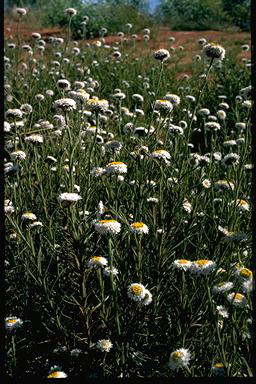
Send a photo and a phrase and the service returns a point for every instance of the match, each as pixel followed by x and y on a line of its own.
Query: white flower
pixel 56 374
pixel 204 112
pixel 163 105
pixel 237 299
pixel 34 138
pixel 65 104
pixel 161 54
pixel 110 271
pixel 179 359
pixel 98 171
pixel 14 113
pixel 206 183
pixel 8 207
pixel 113 146
pixel 203 266
pixel 174 99
pixel 218 369
pixel 229 143
pixel 18 155
pixel 116 167
pixel 21 11
pixel 97 261
pixel 222 311
pixel 160 154
pixel 107 227
pixel 104 345
pixel 70 11
pixel 214 51
pixel 187 206
pixel 243 274
pixel 97 105
pixel 212 125
pixel 231 159
pixel 36 224
pixel 147 298
pixel 68 197
pixel 182 264
pixel 136 291
pixel 223 287
pixel 139 227
pixel 224 184
pixel 13 323
pixel 243 205
pixel 28 216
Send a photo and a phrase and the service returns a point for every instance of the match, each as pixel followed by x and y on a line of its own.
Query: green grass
pixel 63 303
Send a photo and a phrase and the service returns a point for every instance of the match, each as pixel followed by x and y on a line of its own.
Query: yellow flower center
pixel 202 263
pixel 53 375
pixel 183 261
pixel 246 273
pixel 242 202
pixel 221 284
pixel 11 321
pixel 96 258
pixel 159 151
pixel 107 221
pixel 136 289
pixel 138 225
pixel 238 296
pixel 176 356
pixel 218 365
pixel 115 163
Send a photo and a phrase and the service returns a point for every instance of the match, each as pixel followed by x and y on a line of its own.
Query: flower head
pixel 70 11
pixel 110 271
pixel 214 51
pixel 13 323
pixel 34 138
pixel 147 298
pixel 163 105
pixel 179 359
pixel 28 216
pixel 222 311
pixel 223 287
pixel 243 274
pixel 68 198
pixel 97 262
pixel 97 105
pixel 237 299
pixel 65 104
pixel 136 291
pixel 182 264
pixel 116 167
pixel 161 54
pixel 160 154
pixel 104 345
pixel 56 373
pixel 203 266
pixel 224 184
pixel 139 227
pixel 107 227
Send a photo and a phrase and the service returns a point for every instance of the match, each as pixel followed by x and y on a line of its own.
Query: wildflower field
pixel 127 207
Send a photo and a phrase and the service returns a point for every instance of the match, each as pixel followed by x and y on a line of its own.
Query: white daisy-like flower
pixel 161 54
pixel 243 274
pixel 7 126
pixel 28 216
pixel 63 84
pixel 110 271
pixel 243 205
pixel 104 345
pixel 13 323
pixel 107 227
pixel 237 299
pixel 224 185
pixel 163 105
pixel 97 105
pixel 174 99
pixel 218 369
pixel 247 286
pixel 152 200
pixel 204 112
pixel 36 224
pixel 179 359
pixel 222 311
pixel 70 11
pixel 68 197
pixel 182 264
pixel 222 287
pixel 34 138
pixel 56 373
pixel 136 291
pixel 116 167
pixel 137 97
pixel 160 154
pixel 21 11
pixel 20 155
pixel 187 206
pixel 214 51
pixel 65 104
pixel 14 113
pixel 206 183
pixel 231 159
pixel 97 262
pixel 203 266
pixel 138 227
pixel 229 143
pixel 8 207
pixel 147 298
pixel 212 125
pixel 248 167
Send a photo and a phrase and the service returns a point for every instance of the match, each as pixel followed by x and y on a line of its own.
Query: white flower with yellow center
pixel 243 274
pixel 104 345
pixel 182 264
pixel 136 291
pixel 179 359
pixel 116 167
pixel 65 104
pixel 163 105
pixel 214 51
pixel 13 323
pixel 56 373
pixel 237 299
pixel 160 154
pixel 243 205
pixel 203 266
pixel 218 369
pixel 28 216
pixel 139 227
pixel 98 171
pixel 97 105
pixel 107 227
pixel 174 99
pixel 97 262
